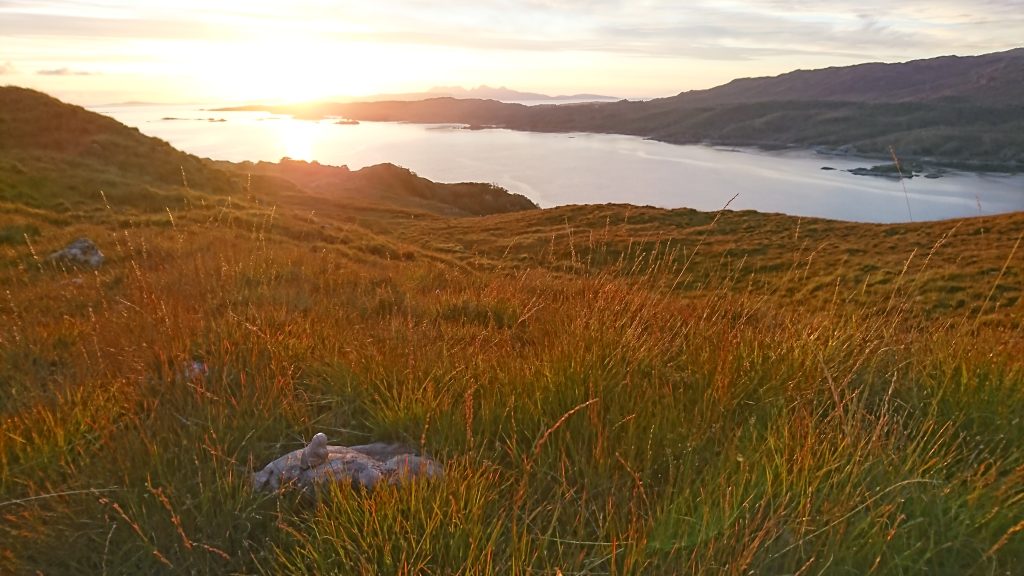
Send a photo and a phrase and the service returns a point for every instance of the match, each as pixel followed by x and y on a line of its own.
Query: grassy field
pixel 612 389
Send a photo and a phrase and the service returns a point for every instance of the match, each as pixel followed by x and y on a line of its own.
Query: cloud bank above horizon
pixel 235 50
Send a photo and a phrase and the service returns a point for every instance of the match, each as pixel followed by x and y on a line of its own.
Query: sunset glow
pixel 235 51
pixel 299 139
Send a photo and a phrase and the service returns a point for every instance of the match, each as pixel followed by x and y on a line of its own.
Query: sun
pixel 299 139
pixel 286 72
pixel 292 70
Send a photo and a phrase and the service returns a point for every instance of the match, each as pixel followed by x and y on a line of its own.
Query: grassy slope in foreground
pixel 614 390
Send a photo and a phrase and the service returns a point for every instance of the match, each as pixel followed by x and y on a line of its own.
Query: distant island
pixel 501 94
pixel 957 112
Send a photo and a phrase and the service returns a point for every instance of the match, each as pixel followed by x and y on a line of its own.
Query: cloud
pixel 739 30
pixel 843 31
pixel 6 68
pixel 64 72
pixel 74 26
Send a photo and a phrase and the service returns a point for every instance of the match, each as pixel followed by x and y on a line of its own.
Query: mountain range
pixel 990 80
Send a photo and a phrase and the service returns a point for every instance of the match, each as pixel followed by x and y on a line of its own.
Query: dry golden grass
pixel 614 390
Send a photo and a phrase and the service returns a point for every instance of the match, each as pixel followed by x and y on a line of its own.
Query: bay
pixel 559 169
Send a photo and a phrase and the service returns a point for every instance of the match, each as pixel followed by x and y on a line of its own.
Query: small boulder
pixel 358 466
pixel 82 252
pixel 194 370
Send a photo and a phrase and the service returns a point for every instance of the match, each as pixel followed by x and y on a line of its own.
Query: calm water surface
pixel 557 169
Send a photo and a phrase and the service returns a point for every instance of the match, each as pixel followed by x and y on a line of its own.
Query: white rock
pixel 194 370
pixel 82 251
pixel 359 466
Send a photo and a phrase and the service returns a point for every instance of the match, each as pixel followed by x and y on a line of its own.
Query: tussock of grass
pixel 635 393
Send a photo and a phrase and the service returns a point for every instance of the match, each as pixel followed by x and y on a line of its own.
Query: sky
pixel 102 51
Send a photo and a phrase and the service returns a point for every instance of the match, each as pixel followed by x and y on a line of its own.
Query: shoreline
pixel 930 165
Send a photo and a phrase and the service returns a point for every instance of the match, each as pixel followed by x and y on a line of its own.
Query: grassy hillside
pixel 613 390
pixel 59 157
pixel 55 156
pixel 958 135
pixel 384 184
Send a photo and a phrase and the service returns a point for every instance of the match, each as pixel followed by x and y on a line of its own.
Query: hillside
pixel 54 155
pixel 58 156
pixel 384 185
pixel 988 80
pixel 959 112
pixel 611 389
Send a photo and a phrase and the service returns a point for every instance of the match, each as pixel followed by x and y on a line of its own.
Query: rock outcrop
pixel 365 466
pixel 82 252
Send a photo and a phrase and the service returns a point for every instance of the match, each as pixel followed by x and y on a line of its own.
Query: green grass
pixel 613 390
